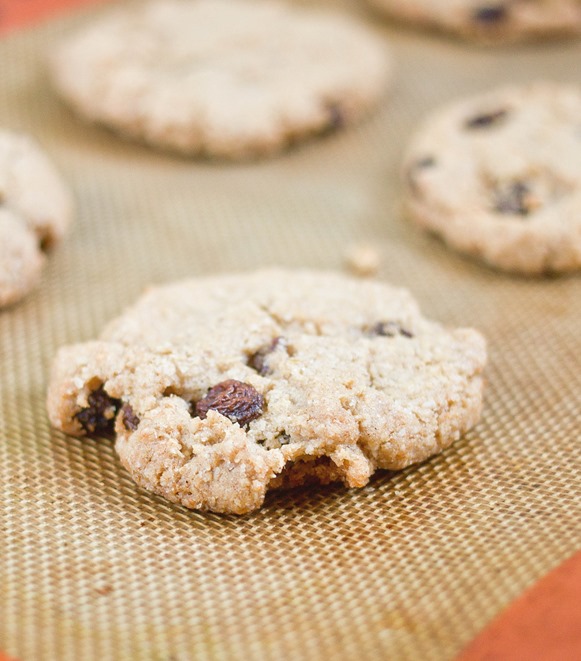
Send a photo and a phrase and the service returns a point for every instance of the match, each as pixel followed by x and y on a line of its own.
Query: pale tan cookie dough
pixel 490 21
pixel 35 211
pixel 498 176
pixel 224 78
pixel 221 388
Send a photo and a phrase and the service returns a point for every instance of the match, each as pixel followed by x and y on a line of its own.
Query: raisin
pixel 336 117
pixel 258 360
pixel 129 419
pixel 45 244
pixel 513 199
pixel 415 167
pixel 486 119
pixel 99 416
pixel 388 329
pixel 426 162
pixel 490 14
pixel 238 401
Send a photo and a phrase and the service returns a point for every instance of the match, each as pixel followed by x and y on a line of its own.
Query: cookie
pixel 221 388
pixel 35 211
pixel 490 21
pixel 220 78
pixel 498 176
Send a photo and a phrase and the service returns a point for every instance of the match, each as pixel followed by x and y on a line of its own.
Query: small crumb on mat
pixel 362 259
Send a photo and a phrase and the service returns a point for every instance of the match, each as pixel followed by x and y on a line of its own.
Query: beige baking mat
pixel 411 567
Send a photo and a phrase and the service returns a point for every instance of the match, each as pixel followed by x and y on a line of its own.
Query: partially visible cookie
pixel 35 211
pixel 221 388
pixel 498 176
pixel 221 78
pixel 490 21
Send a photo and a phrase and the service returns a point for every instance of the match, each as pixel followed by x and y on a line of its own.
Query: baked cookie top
pixel 35 211
pixel 490 21
pixel 222 78
pixel 221 388
pixel 498 176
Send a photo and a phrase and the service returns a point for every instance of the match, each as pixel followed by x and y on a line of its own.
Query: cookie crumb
pixel 363 260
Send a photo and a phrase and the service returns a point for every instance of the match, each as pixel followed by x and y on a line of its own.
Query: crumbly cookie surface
pixel 498 176
pixel 35 211
pixel 223 78
pixel 490 21
pixel 221 388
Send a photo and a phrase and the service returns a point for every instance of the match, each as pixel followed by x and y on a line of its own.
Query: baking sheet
pixel 411 567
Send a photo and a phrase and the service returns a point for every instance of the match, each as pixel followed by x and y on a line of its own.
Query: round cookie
pixel 35 211
pixel 221 388
pixel 490 21
pixel 498 176
pixel 220 78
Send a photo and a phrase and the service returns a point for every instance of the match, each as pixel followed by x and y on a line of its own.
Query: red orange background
pixel 17 13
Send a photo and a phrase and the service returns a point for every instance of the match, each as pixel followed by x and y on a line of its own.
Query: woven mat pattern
pixel 411 567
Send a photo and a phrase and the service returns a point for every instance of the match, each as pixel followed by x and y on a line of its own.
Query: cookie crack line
pixel 216 428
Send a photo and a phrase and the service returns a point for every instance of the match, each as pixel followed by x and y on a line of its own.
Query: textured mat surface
pixel 411 567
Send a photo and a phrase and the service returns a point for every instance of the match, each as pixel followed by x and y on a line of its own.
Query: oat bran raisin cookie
pixel 221 78
pixel 221 388
pixel 35 212
pixel 498 176
pixel 489 21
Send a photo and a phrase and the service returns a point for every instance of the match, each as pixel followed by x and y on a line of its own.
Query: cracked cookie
pixel 498 176
pixel 221 388
pixel 220 78
pixel 489 21
pixel 35 211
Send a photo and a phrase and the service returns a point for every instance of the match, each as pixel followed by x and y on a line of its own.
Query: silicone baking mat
pixel 412 566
